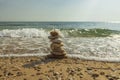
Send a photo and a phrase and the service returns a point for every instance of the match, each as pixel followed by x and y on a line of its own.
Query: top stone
pixel 54 33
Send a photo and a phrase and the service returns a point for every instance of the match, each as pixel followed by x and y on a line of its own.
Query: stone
pixel 56 56
pixel 9 74
pixel 57 41
pixel 54 33
pixel 111 79
pixel 95 75
pixel 56 73
pixel 53 37
pixel 108 76
pixel 61 50
pixel 58 53
pixel 19 74
pixel 24 79
pixel 89 68
pixel 56 46
pixel 0 75
pixel 70 78
pixel 102 73
pixel 38 73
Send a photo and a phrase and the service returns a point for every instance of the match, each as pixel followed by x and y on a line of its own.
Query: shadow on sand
pixel 43 60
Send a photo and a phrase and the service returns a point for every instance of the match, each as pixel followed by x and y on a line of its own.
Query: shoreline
pixel 77 56
pixel 41 68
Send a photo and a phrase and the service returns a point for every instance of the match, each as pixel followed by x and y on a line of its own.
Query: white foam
pixel 94 48
pixel 27 32
pixel 78 56
pixel 115 36
pixel 100 49
pixel 109 59
pixel 22 55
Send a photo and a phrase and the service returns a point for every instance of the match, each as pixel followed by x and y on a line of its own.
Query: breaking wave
pixel 23 33
pixel 90 44
pixel 33 32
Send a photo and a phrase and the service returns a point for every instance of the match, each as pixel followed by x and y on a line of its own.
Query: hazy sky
pixel 59 10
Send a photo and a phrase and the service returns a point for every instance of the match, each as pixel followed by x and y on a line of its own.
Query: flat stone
pixel 56 41
pixel 56 45
pixel 58 53
pixel 53 37
pixel 56 56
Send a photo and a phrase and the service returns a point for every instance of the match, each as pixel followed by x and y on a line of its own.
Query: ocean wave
pixel 90 32
pixel 24 33
pixel 33 32
pixel 94 48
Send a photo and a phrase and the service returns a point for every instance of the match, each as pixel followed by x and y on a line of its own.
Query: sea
pixel 98 41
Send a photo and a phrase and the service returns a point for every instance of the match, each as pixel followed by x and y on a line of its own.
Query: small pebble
pixel 9 74
pixel 89 68
pixel 0 75
pixel 95 75
pixel 81 77
pixel 72 72
pixel 102 73
pixel 78 69
pixel 111 79
pixel 38 73
pixel 24 79
pixel 19 73
pixel 32 75
pixel 56 73
pixel 58 64
pixel 51 70
pixel 108 76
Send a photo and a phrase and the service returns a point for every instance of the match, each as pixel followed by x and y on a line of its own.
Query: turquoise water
pixel 64 25
pixel 73 29
pixel 85 40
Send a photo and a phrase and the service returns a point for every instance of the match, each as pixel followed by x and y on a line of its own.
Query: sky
pixel 59 10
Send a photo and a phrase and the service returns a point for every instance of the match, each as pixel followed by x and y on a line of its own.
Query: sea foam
pixel 36 41
pixel 24 33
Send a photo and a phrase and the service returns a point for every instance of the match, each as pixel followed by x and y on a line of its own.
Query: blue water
pixel 64 25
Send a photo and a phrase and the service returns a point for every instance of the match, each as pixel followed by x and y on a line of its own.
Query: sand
pixel 40 68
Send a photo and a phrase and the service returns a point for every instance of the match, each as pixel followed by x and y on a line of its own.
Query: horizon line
pixel 68 21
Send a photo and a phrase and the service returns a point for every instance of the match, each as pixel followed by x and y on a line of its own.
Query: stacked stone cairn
pixel 56 46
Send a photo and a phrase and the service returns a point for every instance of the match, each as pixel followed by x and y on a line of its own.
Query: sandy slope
pixel 39 68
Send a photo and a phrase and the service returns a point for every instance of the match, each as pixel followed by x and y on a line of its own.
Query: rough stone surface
pixel 56 46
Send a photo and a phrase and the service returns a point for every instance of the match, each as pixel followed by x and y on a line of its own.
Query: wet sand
pixel 40 68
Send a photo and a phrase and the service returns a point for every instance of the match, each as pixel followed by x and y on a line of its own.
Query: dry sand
pixel 39 68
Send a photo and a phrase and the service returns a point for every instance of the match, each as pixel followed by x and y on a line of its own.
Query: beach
pixel 41 68
pixel 59 40
pixel 93 52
